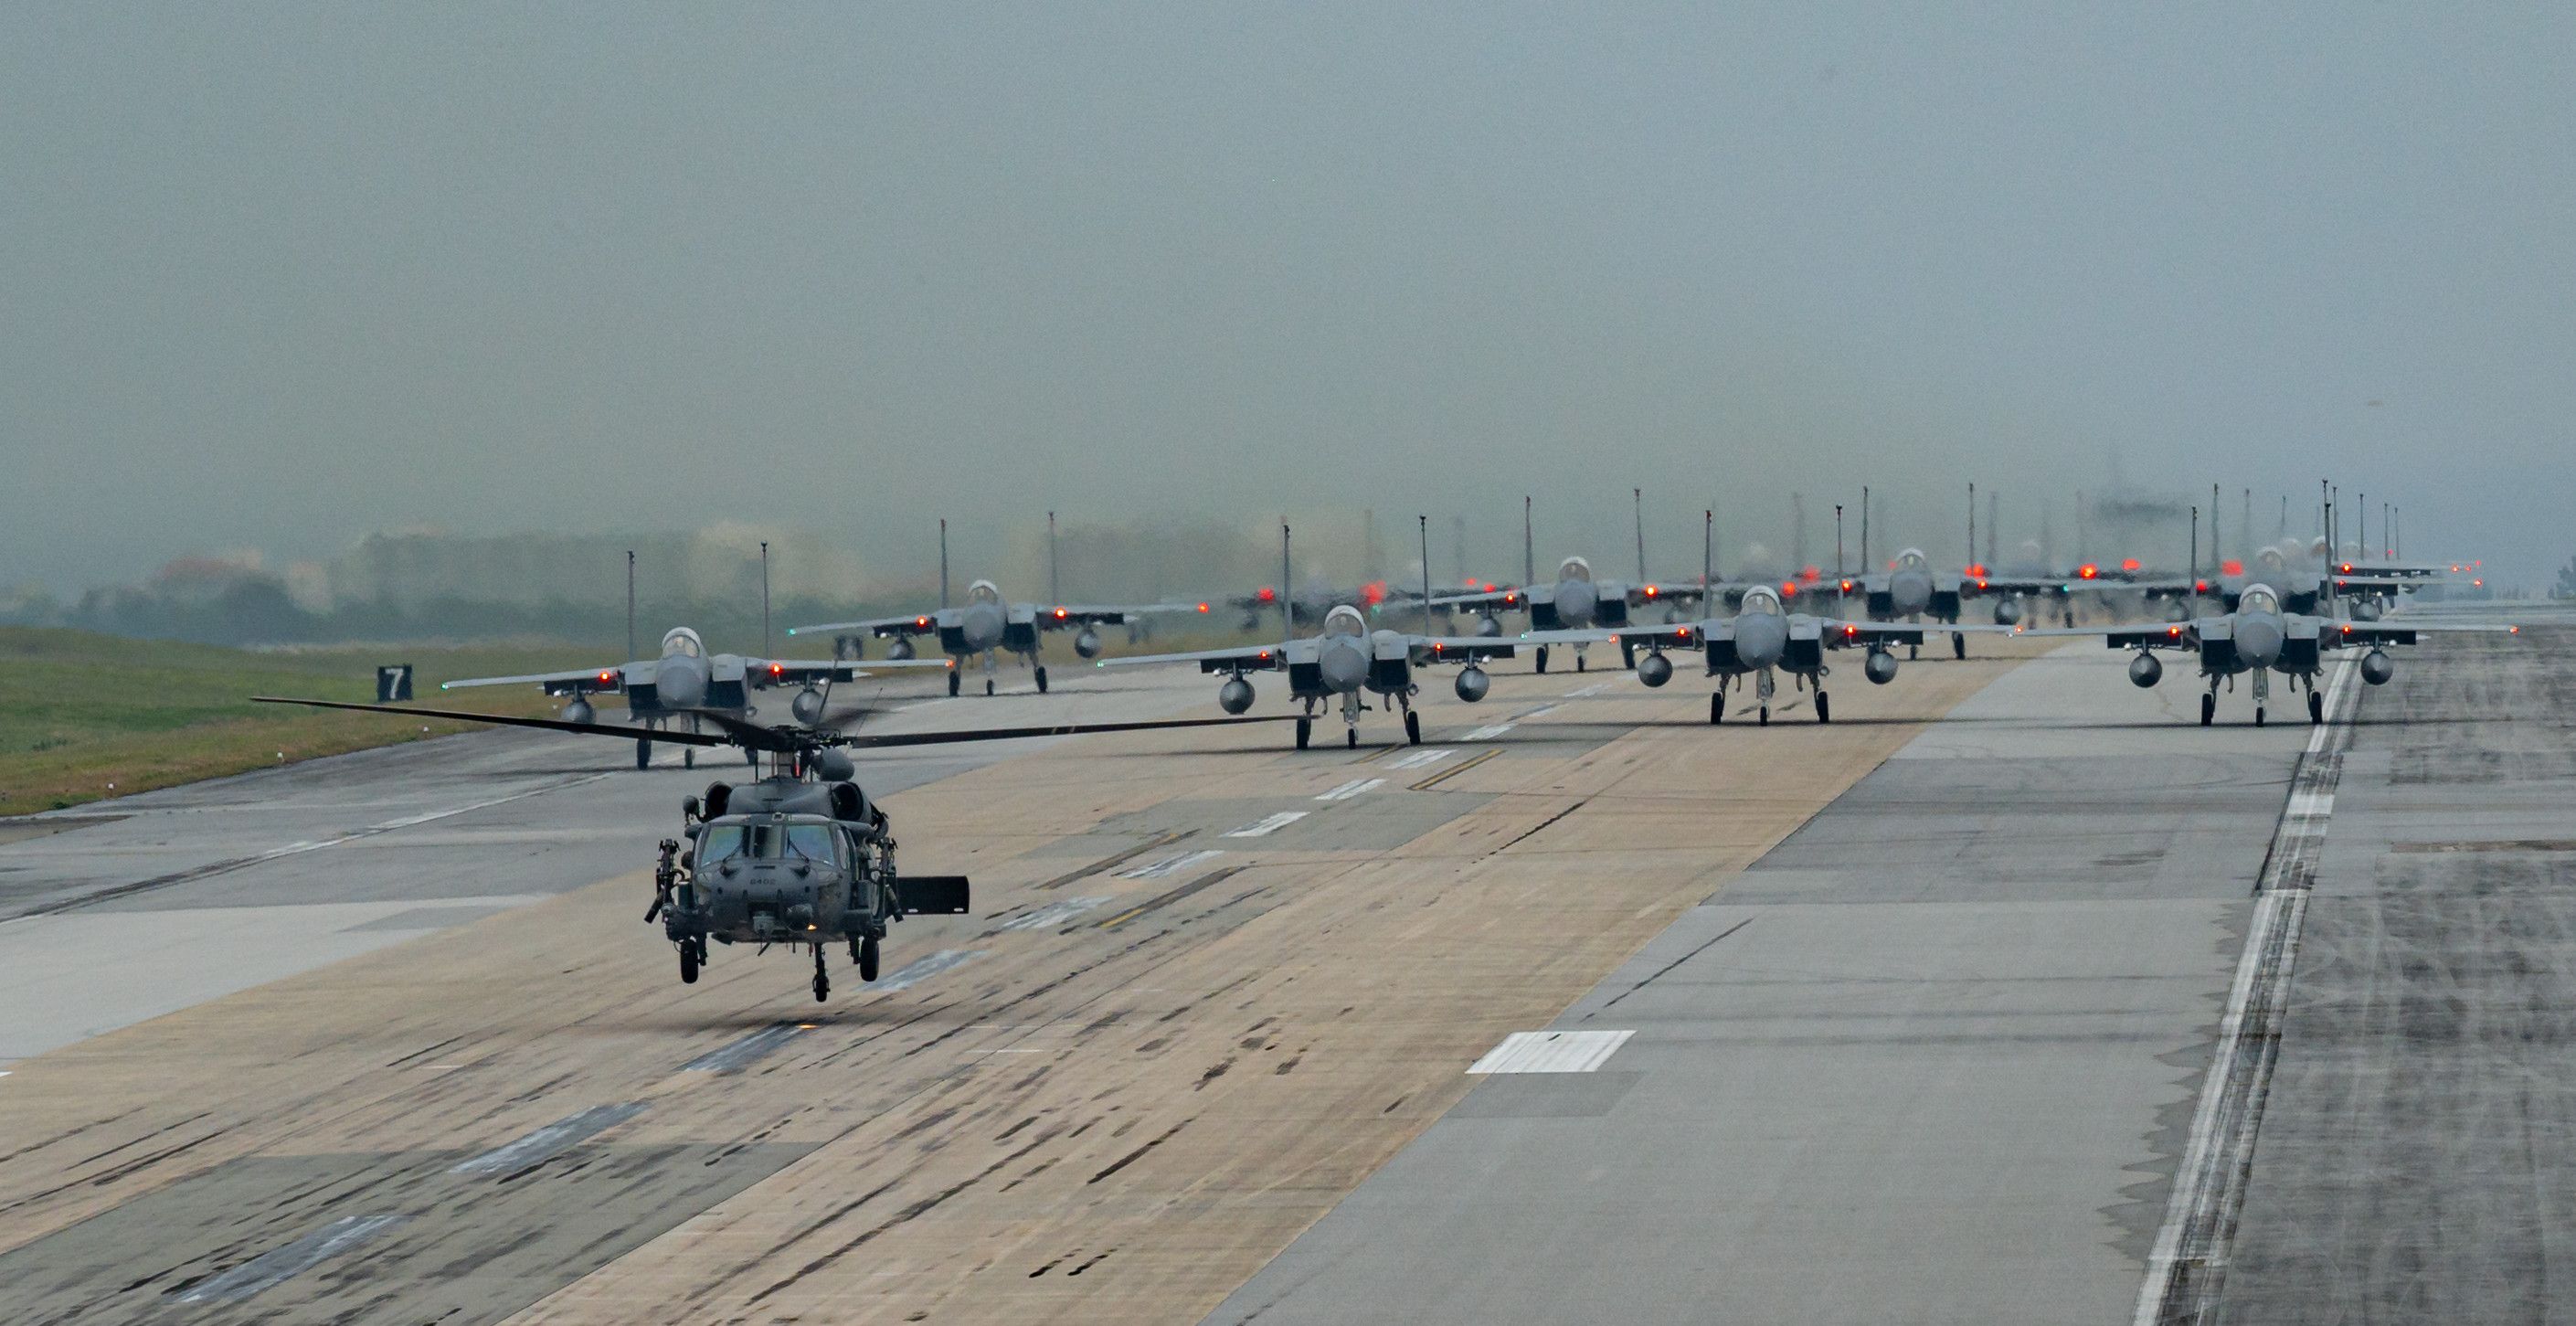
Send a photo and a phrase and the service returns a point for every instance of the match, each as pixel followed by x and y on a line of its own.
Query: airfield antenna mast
pixel 1798 529
pixel 2193 574
pixel 1972 524
pixel 2079 525
pixel 1458 547
pixel 1637 509
pixel 1838 544
pixel 2361 527
pixel 2387 528
pixel 2245 526
pixel 1287 615
pixel 1529 547
pixel 1425 523
pixel 943 561
pixel 1054 595
pixel 630 603
pixel 2214 563
pixel 1991 527
pixel 1864 529
pixel 764 596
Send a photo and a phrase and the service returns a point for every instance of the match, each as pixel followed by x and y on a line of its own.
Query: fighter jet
pixel 1574 601
pixel 685 682
pixel 986 626
pixel 2258 638
pixel 1345 662
pixel 1763 636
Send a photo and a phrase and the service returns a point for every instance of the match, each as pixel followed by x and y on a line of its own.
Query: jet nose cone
pixel 1575 601
pixel 681 683
pixel 1343 666
pixel 1912 593
pixel 2258 641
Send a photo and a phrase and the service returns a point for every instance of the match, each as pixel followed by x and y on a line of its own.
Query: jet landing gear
pixel 643 752
pixel 864 953
pixel 955 680
pixel 822 979
pixel 2316 707
pixel 1542 660
pixel 1762 686
pixel 1824 709
pixel 2208 707
pixel 1041 678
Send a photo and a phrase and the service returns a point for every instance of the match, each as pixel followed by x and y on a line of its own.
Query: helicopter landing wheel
pixel 2316 709
pixel 868 958
pixel 688 962
pixel 822 980
pixel 1412 727
pixel 1042 681
pixel 1305 732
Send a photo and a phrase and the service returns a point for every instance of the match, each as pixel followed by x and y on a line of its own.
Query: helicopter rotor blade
pixel 673 735
pixel 783 740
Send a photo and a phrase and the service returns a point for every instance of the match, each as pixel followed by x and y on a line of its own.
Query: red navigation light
pixel 1510 598
pixel 778 669
pixel 2231 567
pixel 2347 630
pixel 1650 591
pixel 2200 587
pixel 2176 631
pixel 1486 588
pixel 1810 574
pixel 2087 571
pixel 1265 656
pixel 1267 594
pixel 1976 569
pixel 606 677
pixel 2479 583
pixel 1981 582
pixel 2347 568
pixel 1850 631
pixel 2129 563
pixel 1059 614
pixel 921 621
pixel 1788 589
pixel 1202 607
pixel 1373 593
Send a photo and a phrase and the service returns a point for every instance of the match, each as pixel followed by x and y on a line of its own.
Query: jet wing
pixel 1246 658
pixel 784 672
pixel 1456 648
pixel 2360 635
pixel 611 678
pixel 916 624
pixel 2137 635
pixel 1095 614
pixel 1490 599
pixel 1839 634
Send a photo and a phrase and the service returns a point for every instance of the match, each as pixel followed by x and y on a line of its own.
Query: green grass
pixel 86 716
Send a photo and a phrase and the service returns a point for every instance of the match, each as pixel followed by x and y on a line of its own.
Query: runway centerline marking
pixel 1551 1052
pixel 1351 789
pixel 915 972
pixel 1050 914
pixel 1267 825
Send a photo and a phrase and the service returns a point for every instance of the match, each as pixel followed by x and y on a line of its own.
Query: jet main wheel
pixel 643 752
pixel 1959 643
pixel 1717 708
pixel 1578 662
pixel 1824 709
pixel 688 962
pixel 2208 708
pixel 689 758
pixel 988 686
pixel 1042 681
pixel 954 681
pixel 2258 715
pixel 868 959
pixel 2316 708
pixel 1354 737
pixel 1413 728
pixel 1305 732
pixel 1913 652
pixel 1542 658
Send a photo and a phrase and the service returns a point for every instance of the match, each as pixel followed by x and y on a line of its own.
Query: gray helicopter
pixel 799 857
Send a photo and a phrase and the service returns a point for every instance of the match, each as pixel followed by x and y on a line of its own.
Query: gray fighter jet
pixel 2259 638
pixel 1764 637
pixel 683 684
pixel 986 626
pixel 1347 662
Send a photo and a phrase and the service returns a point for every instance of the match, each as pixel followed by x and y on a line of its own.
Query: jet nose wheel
pixel 689 758
pixel 1765 719
pixel 643 752
pixel 1412 728
pixel 1353 735
pixel 2258 715
pixel 2316 709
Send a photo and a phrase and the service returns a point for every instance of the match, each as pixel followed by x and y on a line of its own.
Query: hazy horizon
pixel 284 276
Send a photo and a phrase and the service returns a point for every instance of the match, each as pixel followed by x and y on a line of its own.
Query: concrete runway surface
pixel 1882 1020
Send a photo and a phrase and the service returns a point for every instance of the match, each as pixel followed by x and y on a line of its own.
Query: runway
pixel 1917 1018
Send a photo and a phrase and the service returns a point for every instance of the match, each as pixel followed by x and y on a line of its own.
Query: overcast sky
pixel 279 276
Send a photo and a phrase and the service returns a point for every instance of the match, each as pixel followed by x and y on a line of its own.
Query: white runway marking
pixel 1351 789
pixel 1594 689
pixel 1551 1052
pixel 1487 732
pixel 1418 759
pixel 915 973
pixel 1051 914
pixel 1268 825
pixel 1542 709
pixel 1165 866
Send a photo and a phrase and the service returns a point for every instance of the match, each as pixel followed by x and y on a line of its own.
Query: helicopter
pixel 799 857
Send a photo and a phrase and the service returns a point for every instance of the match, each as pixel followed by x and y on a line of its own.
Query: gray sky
pixel 280 276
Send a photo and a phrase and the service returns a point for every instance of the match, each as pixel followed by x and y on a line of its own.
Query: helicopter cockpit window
pixel 810 841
